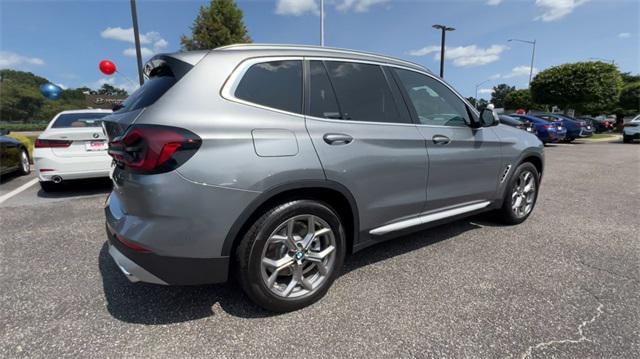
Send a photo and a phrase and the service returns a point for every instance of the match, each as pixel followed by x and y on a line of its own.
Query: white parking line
pixel 18 190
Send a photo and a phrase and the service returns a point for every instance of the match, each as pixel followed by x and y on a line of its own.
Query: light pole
pixel 477 86
pixel 533 54
pixel 136 37
pixel 444 29
pixel 613 62
pixel 322 23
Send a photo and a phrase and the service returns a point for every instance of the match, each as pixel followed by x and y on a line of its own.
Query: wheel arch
pixel 332 193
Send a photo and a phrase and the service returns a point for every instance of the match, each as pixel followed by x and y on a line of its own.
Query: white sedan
pixel 73 146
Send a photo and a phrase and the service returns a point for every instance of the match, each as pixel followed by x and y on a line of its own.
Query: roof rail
pixel 316 48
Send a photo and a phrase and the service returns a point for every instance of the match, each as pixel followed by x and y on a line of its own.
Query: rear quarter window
pixel 274 84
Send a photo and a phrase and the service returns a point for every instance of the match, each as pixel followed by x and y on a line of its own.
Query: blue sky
pixel 65 40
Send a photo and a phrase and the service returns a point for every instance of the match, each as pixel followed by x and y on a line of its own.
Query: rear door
pixel 464 163
pixel 366 140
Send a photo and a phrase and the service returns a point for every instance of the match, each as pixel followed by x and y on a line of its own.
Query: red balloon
pixel 107 67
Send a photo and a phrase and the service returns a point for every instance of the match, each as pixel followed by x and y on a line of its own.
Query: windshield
pixel 79 120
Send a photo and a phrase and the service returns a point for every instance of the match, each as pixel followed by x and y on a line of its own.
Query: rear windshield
pixel 79 120
pixel 148 93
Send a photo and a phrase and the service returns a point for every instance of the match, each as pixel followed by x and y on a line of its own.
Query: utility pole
pixel 477 86
pixel 322 23
pixel 444 30
pixel 533 54
pixel 136 36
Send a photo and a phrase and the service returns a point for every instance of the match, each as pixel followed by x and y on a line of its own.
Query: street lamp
pixel 478 86
pixel 136 38
pixel 322 23
pixel 444 29
pixel 533 54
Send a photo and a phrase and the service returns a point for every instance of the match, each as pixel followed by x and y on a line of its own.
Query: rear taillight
pixel 51 143
pixel 153 149
pixel 548 126
pixel 131 245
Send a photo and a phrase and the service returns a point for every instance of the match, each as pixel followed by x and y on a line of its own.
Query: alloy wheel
pixel 24 161
pixel 524 194
pixel 299 256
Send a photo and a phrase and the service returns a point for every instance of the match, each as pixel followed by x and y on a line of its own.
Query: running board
pixel 432 217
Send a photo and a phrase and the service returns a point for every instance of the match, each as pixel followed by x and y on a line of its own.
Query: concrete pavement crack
pixel 581 336
pixel 615 274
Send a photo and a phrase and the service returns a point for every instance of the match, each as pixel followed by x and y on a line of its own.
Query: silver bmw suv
pixel 272 163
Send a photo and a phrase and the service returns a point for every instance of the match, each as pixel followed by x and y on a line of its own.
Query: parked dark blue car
pixel 575 128
pixel 547 131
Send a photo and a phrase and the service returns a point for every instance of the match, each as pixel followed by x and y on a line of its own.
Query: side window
pixel 322 99
pixel 435 104
pixel 275 84
pixel 363 92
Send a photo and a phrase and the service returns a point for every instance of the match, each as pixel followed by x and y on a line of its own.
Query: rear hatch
pixel 161 72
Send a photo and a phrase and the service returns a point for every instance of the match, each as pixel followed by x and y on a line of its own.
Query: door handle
pixel 441 140
pixel 337 139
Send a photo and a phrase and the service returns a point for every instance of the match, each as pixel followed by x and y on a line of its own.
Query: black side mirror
pixel 488 118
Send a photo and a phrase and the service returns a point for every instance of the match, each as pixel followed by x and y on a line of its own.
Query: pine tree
pixel 218 24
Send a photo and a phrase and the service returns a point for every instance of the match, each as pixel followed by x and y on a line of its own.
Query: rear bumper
pixel 153 268
pixel 69 168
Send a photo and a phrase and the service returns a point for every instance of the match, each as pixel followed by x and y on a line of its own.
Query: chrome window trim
pixel 232 82
pixel 230 85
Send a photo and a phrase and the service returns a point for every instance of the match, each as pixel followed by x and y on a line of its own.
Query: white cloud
pixel 301 7
pixel 296 7
pixel 425 51
pixel 154 41
pixel 485 91
pixel 495 77
pixel 12 60
pixel 131 52
pixel 463 56
pixel 557 9
pixel 624 35
pixel 519 71
pixel 358 5
pixel 62 86
pixel 494 2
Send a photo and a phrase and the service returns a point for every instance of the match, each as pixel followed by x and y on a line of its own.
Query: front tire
pixel 521 194
pixel 626 139
pixel 291 255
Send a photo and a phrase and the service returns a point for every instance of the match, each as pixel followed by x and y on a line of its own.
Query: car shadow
pixel 81 187
pixel 150 304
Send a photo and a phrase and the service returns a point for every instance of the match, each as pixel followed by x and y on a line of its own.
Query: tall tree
pixel 499 93
pixel 519 99
pixel 587 87
pixel 218 24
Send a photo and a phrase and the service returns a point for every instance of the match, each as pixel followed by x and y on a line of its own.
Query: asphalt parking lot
pixel 564 284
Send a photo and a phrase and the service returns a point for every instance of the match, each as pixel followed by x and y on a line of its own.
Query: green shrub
pixel 23 126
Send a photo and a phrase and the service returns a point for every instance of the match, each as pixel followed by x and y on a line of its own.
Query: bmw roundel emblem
pixel 96 135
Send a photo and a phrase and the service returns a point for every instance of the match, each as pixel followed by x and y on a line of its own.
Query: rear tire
pixel 48 186
pixel 519 201
pixel 279 236
pixel 25 168
pixel 626 139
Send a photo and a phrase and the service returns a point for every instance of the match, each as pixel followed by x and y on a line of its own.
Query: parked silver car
pixel 272 163
pixel 631 130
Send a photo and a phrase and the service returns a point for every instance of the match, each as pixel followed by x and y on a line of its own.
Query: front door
pixel 464 163
pixel 365 139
